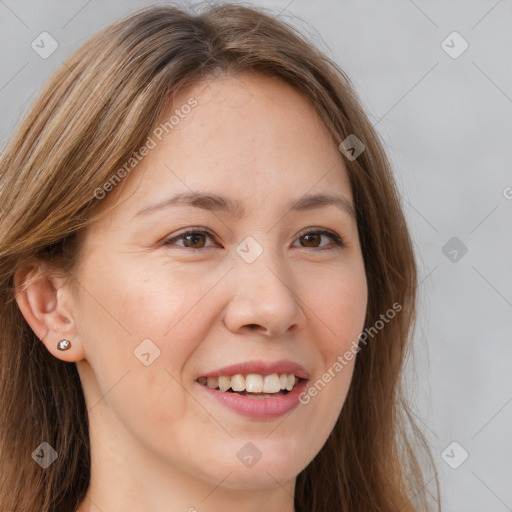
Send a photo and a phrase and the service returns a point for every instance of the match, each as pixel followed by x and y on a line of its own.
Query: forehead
pixel 248 136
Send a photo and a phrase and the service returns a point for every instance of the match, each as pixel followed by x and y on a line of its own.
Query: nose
pixel 264 299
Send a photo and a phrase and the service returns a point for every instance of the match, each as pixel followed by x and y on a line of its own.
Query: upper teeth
pixel 252 383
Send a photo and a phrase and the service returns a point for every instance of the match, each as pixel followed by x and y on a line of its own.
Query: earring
pixel 63 344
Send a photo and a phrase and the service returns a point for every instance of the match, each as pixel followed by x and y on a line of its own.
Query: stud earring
pixel 63 345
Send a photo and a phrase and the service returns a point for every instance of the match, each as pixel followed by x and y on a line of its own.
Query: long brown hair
pixel 93 113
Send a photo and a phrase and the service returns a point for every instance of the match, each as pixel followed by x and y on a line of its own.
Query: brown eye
pixel 311 239
pixel 191 240
pixel 194 240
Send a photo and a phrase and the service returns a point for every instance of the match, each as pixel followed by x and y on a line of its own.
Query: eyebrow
pixel 215 202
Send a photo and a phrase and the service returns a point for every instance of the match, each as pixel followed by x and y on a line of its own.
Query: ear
pixel 45 300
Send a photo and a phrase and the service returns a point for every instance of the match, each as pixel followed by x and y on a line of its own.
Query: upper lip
pixel 261 368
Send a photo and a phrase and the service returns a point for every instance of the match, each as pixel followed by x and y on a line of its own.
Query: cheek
pixel 340 305
pixel 135 315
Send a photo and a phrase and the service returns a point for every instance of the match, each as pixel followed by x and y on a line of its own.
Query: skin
pixel 158 442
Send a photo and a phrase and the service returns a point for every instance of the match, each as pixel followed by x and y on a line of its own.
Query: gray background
pixel 446 123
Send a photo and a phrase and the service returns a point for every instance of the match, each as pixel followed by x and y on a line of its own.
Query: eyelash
pixel 338 241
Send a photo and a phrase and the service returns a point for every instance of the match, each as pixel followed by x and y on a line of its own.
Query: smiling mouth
pixel 253 385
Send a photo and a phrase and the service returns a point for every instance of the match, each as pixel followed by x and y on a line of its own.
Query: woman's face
pixel 157 309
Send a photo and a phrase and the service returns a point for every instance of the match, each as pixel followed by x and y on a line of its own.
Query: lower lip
pixel 258 408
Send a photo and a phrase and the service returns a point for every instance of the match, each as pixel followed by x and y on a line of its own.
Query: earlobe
pixel 44 301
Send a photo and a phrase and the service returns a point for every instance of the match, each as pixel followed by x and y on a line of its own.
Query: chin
pixel 264 477
pixel 259 468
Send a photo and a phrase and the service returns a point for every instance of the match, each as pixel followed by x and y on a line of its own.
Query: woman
pixel 208 283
